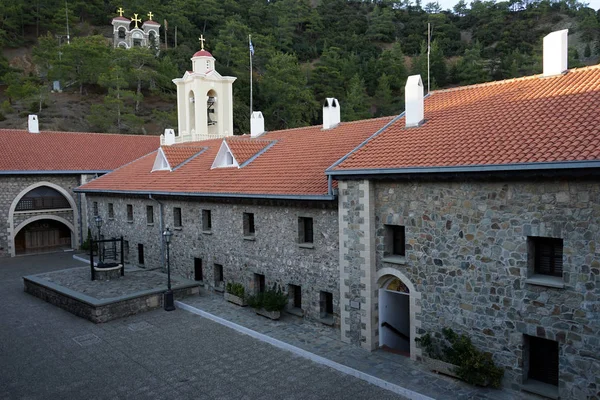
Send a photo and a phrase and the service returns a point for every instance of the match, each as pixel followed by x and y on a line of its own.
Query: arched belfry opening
pixel 192 112
pixel 212 116
pixel 396 333
pixel 122 33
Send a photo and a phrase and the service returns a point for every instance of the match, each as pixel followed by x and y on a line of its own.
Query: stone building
pixel 126 36
pixel 475 209
pixel 39 170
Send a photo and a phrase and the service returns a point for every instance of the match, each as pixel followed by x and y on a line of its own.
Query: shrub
pixel 271 300
pixel 472 365
pixel 236 289
pixel 2 117
pixel 86 243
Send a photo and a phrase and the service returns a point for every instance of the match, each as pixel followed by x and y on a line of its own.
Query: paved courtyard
pixel 47 353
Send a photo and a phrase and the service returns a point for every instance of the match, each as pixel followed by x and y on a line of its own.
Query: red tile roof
pixel 293 166
pixel 243 150
pixel 177 155
pixel 70 151
pixel 525 120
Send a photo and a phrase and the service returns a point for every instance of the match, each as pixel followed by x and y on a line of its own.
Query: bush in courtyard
pixel 271 300
pixel 236 289
pixel 472 365
pixel 86 243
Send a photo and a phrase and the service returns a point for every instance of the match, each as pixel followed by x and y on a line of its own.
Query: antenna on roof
pixel 429 32
pixel 67 15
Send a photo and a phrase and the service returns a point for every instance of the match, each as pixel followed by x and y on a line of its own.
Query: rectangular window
pixel 259 283
pixel 249 224
pixel 198 269
pixel 543 360
pixel 111 211
pixel 206 220
pixel 218 272
pixel 305 230
pixel 95 208
pixel 295 296
pixel 126 250
pixel 149 214
pixel 140 254
pixel 129 213
pixel 547 256
pixel 177 217
pixel 395 240
pixel 326 305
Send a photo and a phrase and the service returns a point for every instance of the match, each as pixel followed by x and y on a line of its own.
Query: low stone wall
pixel 102 311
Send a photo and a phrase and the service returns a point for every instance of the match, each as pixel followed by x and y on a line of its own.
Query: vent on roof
pixel 556 52
pixel 413 98
pixel 331 113
pixel 224 158
pixel 160 162
pixel 257 124
pixel 33 124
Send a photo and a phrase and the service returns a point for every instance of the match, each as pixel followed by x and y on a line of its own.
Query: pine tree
pixel 384 99
pixel 356 103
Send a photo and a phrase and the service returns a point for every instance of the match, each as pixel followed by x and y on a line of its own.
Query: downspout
pixel 160 223
pixel 329 185
pixel 80 219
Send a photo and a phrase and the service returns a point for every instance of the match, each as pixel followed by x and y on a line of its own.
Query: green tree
pixel 381 24
pixel 384 99
pixel 288 101
pixel 85 59
pixel 471 68
pixel 357 103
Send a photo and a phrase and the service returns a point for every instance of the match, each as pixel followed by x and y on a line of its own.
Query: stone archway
pixel 51 242
pixel 386 278
pixel 11 214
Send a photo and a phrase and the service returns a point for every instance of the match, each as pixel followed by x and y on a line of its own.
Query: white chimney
pixel 257 124
pixel 33 124
pixel 555 52
pixel 331 113
pixel 169 137
pixel 414 103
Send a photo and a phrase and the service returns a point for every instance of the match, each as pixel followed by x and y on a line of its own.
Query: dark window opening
pixel 305 230
pixel 259 283
pixel 137 42
pixel 121 33
pixel 295 295
pixel 149 214
pixel 126 250
pixel 218 274
pixel 177 217
pixel 95 208
pixel 206 220
pixel 543 360
pixel 42 198
pixel 249 224
pixel 111 211
pixel 547 256
pixel 198 269
pixel 326 305
pixel 395 240
pixel 129 212
pixel 140 254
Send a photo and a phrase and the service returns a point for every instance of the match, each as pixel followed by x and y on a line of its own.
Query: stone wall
pixel 12 186
pixel 466 262
pixel 273 252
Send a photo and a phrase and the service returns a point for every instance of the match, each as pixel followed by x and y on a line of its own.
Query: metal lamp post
pixel 98 220
pixel 168 301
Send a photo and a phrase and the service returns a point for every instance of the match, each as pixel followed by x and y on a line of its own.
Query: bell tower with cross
pixel 126 36
pixel 204 100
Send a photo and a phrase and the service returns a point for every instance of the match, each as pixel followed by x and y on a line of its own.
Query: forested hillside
pixel 305 50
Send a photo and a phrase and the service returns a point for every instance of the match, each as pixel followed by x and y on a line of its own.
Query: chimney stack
pixel 414 101
pixel 331 113
pixel 257 124
pixel 168 138
pixel 556 53
pixel 33 124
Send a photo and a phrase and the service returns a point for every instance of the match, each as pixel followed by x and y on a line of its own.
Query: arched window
pixel 42 198
pixel 121 33
pixel 192 111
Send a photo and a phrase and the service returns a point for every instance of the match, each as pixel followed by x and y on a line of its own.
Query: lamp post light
pixel 168 302
pixel 98 220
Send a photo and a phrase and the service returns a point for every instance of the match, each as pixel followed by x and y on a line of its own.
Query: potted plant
pixel 234 293
pixel 269 303
pixel 455 355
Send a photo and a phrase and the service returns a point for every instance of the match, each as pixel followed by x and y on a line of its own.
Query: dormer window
pixel 229 158
pixel 225 157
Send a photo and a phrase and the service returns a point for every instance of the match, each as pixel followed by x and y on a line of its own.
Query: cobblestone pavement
pixel 47 353
pixel 325 342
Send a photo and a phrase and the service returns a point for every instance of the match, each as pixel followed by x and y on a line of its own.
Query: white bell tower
pixel 204 100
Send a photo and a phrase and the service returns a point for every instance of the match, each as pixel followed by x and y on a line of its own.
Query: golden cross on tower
pixel 150 15
pixel 136 19
pixel 120 11
pixel 202 41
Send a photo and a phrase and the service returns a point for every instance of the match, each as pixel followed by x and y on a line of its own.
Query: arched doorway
pixel 40 235
pixel 394 316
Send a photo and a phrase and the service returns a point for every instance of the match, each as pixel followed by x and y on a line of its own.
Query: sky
pixel 595 4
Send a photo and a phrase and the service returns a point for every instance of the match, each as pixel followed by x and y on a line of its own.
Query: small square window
pixel 543 356
pixel 95 208
pixel 111 211
pixel 150 214
pixel 218 274
pixel 395 241
pixel 129 213
pixel 546 256
pixel 177 217
pixel 206 220
pixel 249 224
pixel 305 230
